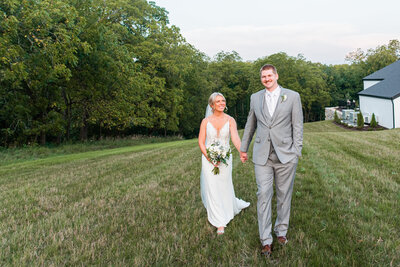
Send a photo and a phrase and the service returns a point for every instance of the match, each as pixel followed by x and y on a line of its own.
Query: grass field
pixel 140 205
pixel 13 155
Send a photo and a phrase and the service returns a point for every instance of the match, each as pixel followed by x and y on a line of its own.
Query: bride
pixel 217 191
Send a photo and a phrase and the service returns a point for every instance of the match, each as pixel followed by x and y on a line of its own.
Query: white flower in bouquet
pixel 217 153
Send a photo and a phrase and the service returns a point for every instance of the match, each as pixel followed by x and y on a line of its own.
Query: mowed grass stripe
pixel 365 219
pixel 316 218
pixel 79 180
pixel 73 176
pixel 374 170
pixel 363 156
pixel 89 155
pixel 382 144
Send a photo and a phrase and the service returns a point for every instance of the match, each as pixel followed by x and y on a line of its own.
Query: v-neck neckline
pixel 218 131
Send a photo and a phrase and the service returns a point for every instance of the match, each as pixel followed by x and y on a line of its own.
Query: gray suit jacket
pixel 284 129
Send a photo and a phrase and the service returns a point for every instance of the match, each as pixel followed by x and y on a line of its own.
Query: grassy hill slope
pixel 141 205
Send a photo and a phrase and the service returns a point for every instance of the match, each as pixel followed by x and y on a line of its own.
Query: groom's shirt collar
pixel 274 93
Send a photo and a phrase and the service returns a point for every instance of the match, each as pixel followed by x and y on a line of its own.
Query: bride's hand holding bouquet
pixel 216 153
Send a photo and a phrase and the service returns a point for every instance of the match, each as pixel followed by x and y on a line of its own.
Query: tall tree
pixel 196 91
pixel 38 44
pixel 375 59
pixel 230 76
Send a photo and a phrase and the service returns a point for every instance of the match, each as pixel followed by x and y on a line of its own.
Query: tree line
pixel 74 70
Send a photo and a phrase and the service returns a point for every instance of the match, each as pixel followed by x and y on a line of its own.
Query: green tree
pixel 373 122
pixel 360 120
pixel 196 91
pixel 365 63
pixel 70 67
pixel 336 118
pixel 230 76
pixel 382 56
pixel 344 82
pixel 38 40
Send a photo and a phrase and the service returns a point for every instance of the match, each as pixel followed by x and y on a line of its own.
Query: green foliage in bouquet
pixel 217 154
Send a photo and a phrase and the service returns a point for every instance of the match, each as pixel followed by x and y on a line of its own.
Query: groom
pixel 277 115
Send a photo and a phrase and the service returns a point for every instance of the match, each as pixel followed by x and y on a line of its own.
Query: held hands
pixel 243 156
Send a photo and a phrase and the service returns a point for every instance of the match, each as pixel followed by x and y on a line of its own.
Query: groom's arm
pixel 297 125
pixel 249 129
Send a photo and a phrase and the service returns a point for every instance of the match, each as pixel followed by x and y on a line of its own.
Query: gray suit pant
pixel 283 175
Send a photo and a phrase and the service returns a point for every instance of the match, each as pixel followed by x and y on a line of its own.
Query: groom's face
pixel 269 79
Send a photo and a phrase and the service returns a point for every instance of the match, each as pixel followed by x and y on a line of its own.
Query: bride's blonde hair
pixel 212 97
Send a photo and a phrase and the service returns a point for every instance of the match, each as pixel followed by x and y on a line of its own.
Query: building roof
pixel 389 85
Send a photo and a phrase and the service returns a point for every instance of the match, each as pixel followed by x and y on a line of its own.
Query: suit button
pixel 269 127
pixel 269 140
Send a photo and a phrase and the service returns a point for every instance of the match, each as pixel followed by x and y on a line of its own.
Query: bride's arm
pixel 234 133
pixel 202 138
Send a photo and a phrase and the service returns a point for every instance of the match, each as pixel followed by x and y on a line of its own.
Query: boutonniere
pixel 283 98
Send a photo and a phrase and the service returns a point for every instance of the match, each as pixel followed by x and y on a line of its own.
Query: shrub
pixel 336 118
pixel 373 123
pixel 360 120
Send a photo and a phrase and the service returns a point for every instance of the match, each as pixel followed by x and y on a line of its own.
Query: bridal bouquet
pixel 217 154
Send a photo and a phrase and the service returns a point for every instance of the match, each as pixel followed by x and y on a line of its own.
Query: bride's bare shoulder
pixel 231 119
pixel 204 121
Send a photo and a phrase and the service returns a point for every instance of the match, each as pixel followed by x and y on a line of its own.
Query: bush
pixel 373 123
pixel 336 118
pixel 360 120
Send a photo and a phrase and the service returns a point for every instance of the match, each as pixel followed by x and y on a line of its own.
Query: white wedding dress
pixel 217 191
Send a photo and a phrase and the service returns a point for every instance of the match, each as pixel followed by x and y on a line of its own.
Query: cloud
pixel 327 43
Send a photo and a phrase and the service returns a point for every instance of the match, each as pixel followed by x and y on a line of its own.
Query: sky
pixel 322 31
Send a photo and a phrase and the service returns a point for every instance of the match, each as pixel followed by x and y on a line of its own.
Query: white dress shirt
pixel 271 98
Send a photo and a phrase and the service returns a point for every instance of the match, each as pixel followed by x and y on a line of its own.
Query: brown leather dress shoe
pixel 266 250
pixel 282 240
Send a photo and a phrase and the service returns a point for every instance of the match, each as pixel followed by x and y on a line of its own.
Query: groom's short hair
pixel 268 67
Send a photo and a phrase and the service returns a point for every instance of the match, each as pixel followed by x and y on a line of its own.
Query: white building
pixel 381 95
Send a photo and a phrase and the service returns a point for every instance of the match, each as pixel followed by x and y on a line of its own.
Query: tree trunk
pixel 84 132
pixel 84 127
pixel 67 113
pixel 59 137
pixel 68 130
pixel 306 115
pixel 42 138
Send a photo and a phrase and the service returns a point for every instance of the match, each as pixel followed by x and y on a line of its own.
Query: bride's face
pixel 219 103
